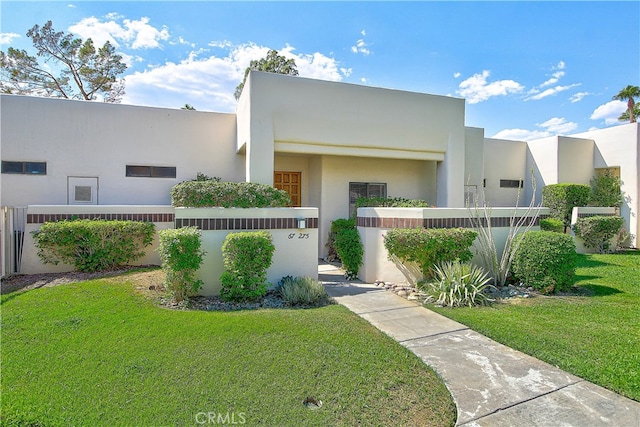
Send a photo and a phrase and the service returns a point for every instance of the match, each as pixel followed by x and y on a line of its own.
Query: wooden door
pixel 289 182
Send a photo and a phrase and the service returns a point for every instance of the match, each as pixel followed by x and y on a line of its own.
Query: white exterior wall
pixel 505 159
pixel 93 139
pixel 473 151
pixel 575 160
pixel 295 115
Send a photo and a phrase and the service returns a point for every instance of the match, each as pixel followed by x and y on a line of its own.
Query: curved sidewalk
pixel 491 384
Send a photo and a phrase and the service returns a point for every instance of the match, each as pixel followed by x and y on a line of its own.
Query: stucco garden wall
pixel 373 223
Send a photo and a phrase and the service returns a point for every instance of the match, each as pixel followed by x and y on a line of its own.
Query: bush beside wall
pixel 597 231
pixel 212 193
pixel 431 246
pixel 350 250
pixel 546 261
pixel 181 255
pixel 562 198
pixel 552 224
pixel 247 256
pixel 93 245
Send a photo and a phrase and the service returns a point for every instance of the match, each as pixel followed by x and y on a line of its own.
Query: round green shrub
pixel 552 224
pixel 562 198
pixel 247 256
pixel 545 261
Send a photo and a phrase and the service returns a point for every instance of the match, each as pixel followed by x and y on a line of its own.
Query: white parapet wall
pixel 294 232
pixel 585 212
pixel 373 224
pixel 161 216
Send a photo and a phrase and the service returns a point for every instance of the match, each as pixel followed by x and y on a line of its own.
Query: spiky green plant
pixel 458 284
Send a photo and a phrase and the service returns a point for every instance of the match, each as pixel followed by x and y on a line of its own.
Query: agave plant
pixel 457 284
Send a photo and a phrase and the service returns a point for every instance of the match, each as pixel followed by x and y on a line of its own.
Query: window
pixel 365 189
pixel 151 171
pixel 511 183
pixel 25 168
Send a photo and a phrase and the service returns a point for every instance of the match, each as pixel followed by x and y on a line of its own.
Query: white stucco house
pixel 325 142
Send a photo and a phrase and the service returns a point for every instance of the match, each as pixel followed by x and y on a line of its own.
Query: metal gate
pixel 12 229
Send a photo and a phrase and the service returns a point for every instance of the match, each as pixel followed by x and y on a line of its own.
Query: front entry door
pixel 289 182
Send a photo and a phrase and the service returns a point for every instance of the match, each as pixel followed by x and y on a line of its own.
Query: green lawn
pixel 99 353
pixel 596 337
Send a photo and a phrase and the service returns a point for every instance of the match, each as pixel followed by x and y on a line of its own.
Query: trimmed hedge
pixel 605 190
pixel 597 231
pixel 389 202
pixel 552 224
pixel 247 256
pixel 93 244
pixel 546 261
pixel 181 255
pixel 212 193
pixel 430 246
pixel 562 198
pixel 350 250
pixel 336 226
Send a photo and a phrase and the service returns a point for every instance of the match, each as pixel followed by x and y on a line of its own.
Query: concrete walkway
pixel 491 384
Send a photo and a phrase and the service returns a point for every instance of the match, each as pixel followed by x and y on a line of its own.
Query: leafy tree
pixel 71 68
pixel 272 63
pixel 188 107
pixel 629 94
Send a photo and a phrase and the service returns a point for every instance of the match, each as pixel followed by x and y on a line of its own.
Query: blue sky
pixel 526 69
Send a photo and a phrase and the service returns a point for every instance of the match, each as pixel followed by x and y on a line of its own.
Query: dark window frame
pixel 368 186
pixel 147 171
pixel 25 167
pixel 511 183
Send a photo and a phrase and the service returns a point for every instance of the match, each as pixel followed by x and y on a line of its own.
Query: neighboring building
pixel 325 142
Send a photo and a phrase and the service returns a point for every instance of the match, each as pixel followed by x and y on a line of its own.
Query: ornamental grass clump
pixel 303 291
pixel 458 284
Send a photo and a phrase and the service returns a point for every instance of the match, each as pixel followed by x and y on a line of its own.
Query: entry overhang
pixel 355 151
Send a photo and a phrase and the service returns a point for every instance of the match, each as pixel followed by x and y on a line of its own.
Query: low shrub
pixel 546 261
pixel 552 224
pixel 597 231
pixel 303 291
pixel 389 202
pixel 350 250
pixel 93 244
pixel 336 226
pixel 458 284
pixel 430 246
pixel 562 198
pixel 181 253
pixel 247 256
pixel 212 193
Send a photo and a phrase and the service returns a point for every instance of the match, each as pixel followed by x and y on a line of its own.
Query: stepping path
pixel 491 384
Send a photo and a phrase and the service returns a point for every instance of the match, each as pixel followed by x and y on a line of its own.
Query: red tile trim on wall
pixel 213 224
pixel 149 217
pixel 370 222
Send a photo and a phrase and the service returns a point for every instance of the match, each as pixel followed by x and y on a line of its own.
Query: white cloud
pixel 554 126
pixel 609 112
pixel 476 88
pixel 520 134
pixel 456 75
pixel 71 6
pixel 363 80
pixel 363 32
pixel 6 38
pixel 360 47
pixel 208 83
pixel 554 79
pixel 558 125
pixel 136 34
pixel 576 97
pixel 549 92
